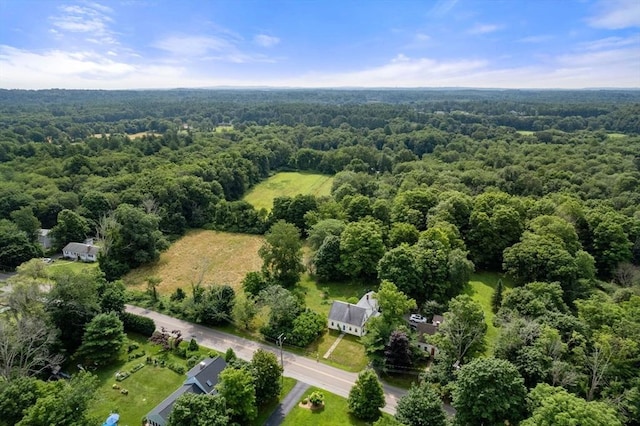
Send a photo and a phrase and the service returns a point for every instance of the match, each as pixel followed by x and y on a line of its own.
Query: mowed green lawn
pixel 288 184
pixel 61 265
pixel 334 413
pixel 147 387
pixel 349 354
pixel 481 287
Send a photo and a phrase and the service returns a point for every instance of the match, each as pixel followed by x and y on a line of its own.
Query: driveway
pixel 298 367
pixel 287 404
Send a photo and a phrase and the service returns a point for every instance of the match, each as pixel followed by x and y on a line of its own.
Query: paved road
pixel 296 366
pixel 288 403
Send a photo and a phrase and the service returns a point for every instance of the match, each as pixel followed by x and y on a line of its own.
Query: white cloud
pixel 611 42
pixel 420 40
pixel 192 46
pixel 536 39
pixel 266 40
pixel 616 14
pixel 442 7
pixel 91 19
pixel 483 29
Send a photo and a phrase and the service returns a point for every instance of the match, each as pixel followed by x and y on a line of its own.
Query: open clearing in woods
pixel 219 257
pixel 288 184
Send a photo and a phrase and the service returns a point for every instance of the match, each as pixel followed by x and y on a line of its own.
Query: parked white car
pixel 417 318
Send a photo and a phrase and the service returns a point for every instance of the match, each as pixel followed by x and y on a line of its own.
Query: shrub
pixel 178 295
pixel 305 400
pixel 138 324
pixel 316 398
pixel 181 352
pixel 193 345
pixel 191 362
pixel 229 355
pixel 353 300
pixel 124 392
pixel 132 347
pixel 178 368
pixel 115 386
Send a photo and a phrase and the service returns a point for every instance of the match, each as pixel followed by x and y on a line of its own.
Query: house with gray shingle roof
pixel 350 318
pixel 80 251
pixel 201 380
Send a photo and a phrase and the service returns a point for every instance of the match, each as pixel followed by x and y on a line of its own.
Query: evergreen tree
pixel 366 396
pixel 496 299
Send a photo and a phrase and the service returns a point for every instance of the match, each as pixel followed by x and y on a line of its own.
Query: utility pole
pixel 281 339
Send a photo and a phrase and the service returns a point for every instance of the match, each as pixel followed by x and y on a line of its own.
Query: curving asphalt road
pixel 298 367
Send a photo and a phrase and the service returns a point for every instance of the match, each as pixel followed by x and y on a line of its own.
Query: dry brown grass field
pixel 216 257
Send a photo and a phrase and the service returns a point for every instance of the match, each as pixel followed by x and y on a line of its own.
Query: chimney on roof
pixel 202 365
pixel 367 296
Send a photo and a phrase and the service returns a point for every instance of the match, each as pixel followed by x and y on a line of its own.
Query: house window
pixel 331 323
pixel 356 330
pixel 349 328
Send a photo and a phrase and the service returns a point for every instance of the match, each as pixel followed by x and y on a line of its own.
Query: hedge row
pixel 138 324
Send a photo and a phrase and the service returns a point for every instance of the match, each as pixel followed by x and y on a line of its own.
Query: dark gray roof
pixel 425 329
pixel 82 248
pixel 348 313
pixel 196 382
pixel 207 371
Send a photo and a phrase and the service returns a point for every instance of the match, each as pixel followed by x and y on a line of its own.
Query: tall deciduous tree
pixel 421 406
pixel 25 346
pixel 366 397
pixel 26 222
pixel 267 374
pixel 102 340
pixel 199 410
pixel 555 406
pixel 463 329
pixel 282 254
pixel 15 246
pixel 489 391
pixel 361 247
pixel 63 403
pixel 71 227
pixel 132 239
pixel 72 303
pixel 238 390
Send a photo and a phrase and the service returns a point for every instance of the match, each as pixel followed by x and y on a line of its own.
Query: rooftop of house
pixel 357 314
pixel 81 248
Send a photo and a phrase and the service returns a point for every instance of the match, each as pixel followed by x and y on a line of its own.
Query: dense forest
pixel 429 185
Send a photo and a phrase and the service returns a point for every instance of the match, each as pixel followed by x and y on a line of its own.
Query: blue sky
pixel 129 44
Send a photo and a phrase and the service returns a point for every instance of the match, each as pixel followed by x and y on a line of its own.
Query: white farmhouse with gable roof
pixel 351 319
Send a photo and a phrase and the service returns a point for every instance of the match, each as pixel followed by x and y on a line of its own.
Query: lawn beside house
pixel 147 387
pixel 481 287
pixel 334 413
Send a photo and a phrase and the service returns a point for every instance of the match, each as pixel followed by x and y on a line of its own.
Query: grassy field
pixel 288 184
pixel 147 387
pixel 480 288
pixel 616 135
pixel 525 132
pixel 60 265
pixel 334 413
pixel 219 257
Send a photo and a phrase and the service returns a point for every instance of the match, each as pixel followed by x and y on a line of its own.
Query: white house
pixel 350 318
pixel 424 330
pixel 80 251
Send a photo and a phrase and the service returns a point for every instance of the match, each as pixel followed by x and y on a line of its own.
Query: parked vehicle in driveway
pixel 417 318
